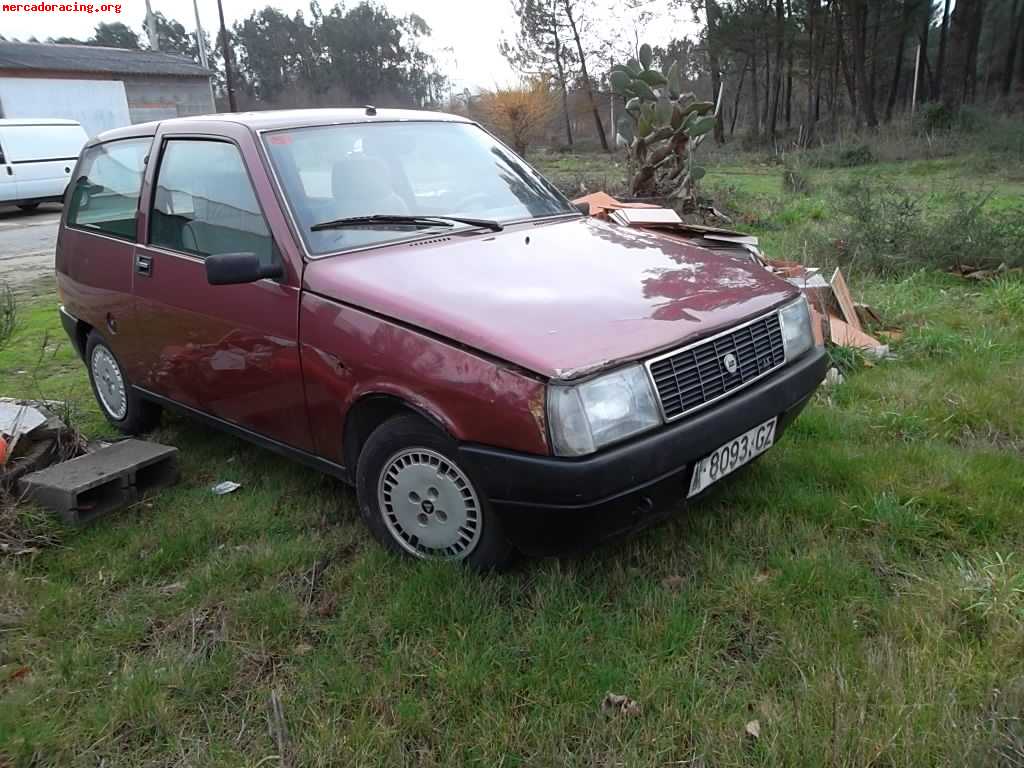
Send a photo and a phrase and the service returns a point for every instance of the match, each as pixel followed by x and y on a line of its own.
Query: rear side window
pixel 105 194
pixel 204 203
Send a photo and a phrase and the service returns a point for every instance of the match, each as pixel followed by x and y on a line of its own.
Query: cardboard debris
pixel 835 316
pixel 866 315
pixel 842 294
pixel 843 334
pixel 819 326
pixel 35 437
pixel 17 419
pixel 629 217
pixel 834 313
pixel 666 222
pixel 600 203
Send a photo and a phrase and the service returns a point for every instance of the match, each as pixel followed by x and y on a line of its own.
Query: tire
pixel 118 401
pixel 419 502
pixel 28 207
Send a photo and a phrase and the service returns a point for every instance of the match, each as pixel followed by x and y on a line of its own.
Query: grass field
pixel 859 593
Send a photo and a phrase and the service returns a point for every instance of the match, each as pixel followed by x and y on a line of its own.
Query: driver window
pixel 204 203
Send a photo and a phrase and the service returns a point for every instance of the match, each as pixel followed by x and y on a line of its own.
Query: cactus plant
pixel 660 129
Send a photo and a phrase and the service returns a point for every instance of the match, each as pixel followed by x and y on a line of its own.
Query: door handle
pixel 144 264
pixel 10 171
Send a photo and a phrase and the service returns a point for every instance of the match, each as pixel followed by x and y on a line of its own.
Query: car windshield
pixel 419 169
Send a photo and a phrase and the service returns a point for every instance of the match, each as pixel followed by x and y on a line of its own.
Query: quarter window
pixel 204 203
pixel 105 194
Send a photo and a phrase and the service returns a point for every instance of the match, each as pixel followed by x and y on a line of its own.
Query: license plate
pixel 732 456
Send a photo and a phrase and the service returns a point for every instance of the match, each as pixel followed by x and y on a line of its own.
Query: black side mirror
pixel 234 268
pixel 583 208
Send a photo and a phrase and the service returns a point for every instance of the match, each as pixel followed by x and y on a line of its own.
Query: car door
pixel 96 241
pixel 8 181
pixel 229 351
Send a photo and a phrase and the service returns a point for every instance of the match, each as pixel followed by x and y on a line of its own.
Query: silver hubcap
pixel 109 382
pixel 429 505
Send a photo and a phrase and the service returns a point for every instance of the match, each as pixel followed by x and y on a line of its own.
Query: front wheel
pixel 120 404
pixel 417 500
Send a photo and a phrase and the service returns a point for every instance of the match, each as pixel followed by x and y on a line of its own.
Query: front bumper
pixel 521 482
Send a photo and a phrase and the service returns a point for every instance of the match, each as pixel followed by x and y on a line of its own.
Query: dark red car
pixel 397 299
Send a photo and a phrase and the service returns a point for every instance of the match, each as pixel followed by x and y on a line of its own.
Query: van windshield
pixel 418 169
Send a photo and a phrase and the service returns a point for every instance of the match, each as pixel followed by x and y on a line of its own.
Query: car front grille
pixel 689 378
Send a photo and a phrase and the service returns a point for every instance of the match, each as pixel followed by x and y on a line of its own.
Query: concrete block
pixel 113 477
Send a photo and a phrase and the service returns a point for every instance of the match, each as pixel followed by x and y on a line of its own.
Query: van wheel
pixel 28 206
pixel 417 500
pixel 120 404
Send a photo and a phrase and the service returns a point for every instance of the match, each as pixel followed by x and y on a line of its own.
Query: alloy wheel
pixel 429 505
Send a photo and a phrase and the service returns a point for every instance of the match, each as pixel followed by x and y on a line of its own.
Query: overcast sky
pixel 464 40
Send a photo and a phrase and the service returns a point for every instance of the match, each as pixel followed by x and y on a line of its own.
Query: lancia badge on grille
pixel 729 361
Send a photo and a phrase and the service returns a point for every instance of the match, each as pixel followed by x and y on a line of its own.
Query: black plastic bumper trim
pixel 513 479
pixel 70 323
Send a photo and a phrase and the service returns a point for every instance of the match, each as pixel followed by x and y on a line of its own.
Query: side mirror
pixel 235 268
pixel 583 208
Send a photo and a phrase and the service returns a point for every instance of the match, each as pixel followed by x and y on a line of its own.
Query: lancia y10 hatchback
pixel 397 299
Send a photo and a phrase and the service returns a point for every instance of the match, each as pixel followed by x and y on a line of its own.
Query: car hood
pixel 562 299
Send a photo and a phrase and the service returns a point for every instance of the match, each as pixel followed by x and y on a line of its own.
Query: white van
pixel 36 159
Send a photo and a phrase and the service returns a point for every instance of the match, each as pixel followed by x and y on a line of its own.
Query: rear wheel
pixel 28 206
pixel 120 404
pixel 417 500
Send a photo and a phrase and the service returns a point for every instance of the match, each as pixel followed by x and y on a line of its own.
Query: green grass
pixel 858 592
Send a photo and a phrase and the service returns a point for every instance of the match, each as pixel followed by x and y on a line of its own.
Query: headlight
pixel 797 336
pixel 604 410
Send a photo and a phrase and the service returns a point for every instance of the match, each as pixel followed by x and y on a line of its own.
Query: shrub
pixel 937 117
pixel 932 117
pixel 1005 297
pixel 834 156
pixel 886 230
pixel 518 114
pixel 795 182
pixel 855 156
pixel 744 208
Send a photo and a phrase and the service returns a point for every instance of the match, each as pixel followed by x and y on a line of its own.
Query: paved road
pixel 26 243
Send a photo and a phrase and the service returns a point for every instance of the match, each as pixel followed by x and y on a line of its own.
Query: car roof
pixel 7 121
pixel 286 118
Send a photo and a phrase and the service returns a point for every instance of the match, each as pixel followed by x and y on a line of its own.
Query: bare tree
pixel 539 48
pixel 713 16
pixel 1014 35
pixel 574 16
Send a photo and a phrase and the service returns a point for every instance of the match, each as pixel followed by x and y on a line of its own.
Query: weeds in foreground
pixel 1005 297
pixel 881 228
pixel 993 587
pixel 25 529
pixel 8 314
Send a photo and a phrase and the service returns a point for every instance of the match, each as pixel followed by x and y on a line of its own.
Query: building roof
pixel 94 58
pixel 26 121
pixel 276 119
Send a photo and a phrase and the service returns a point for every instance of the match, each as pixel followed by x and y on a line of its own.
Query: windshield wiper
pixel 415 221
